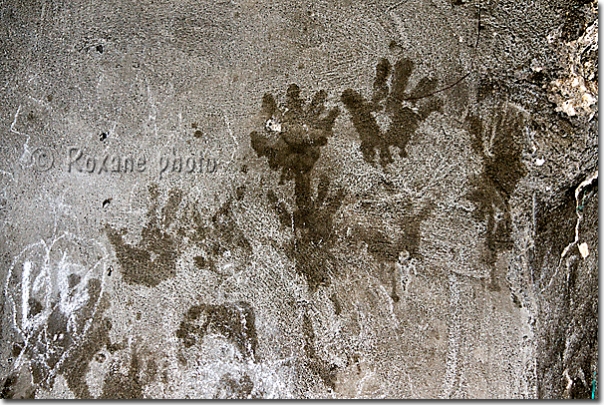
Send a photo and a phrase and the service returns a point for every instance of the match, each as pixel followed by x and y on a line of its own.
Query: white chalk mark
pixel 41 102
pixel 12 125
pixel 534 214
pixel 454 338
pixel 579 211
pixel 363 381
pixel 390 303
pixel 152 107
pixel 50 281
pixel 230 131
pixel 9 174
pixel 130 210
pixel 396 5
pixel 25 281
pixel 26 151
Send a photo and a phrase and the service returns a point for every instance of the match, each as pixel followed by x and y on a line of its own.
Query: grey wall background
pixel 423 227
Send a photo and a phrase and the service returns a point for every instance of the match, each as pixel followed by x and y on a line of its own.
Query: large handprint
pixel 293 137
pixel 392 107
pixel 292 141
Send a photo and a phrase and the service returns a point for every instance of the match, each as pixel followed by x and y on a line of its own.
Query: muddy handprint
pixel 291 141
pixel 392 115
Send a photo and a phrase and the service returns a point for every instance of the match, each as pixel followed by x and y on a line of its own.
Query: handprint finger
pixel 380 85
pixel 317 105
pixel 269 106
pixel 294 103
pixel 400 80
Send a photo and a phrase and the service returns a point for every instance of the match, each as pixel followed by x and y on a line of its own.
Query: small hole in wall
pixel 107 202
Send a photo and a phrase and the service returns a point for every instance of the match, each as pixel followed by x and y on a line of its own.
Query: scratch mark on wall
pixel 230 131
pixel 26 153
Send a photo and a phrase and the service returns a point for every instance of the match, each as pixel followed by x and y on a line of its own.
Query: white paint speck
pixel 273 125
pixel 584 250
pixel 539 162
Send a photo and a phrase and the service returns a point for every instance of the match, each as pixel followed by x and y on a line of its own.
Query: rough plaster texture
pixel 298 199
